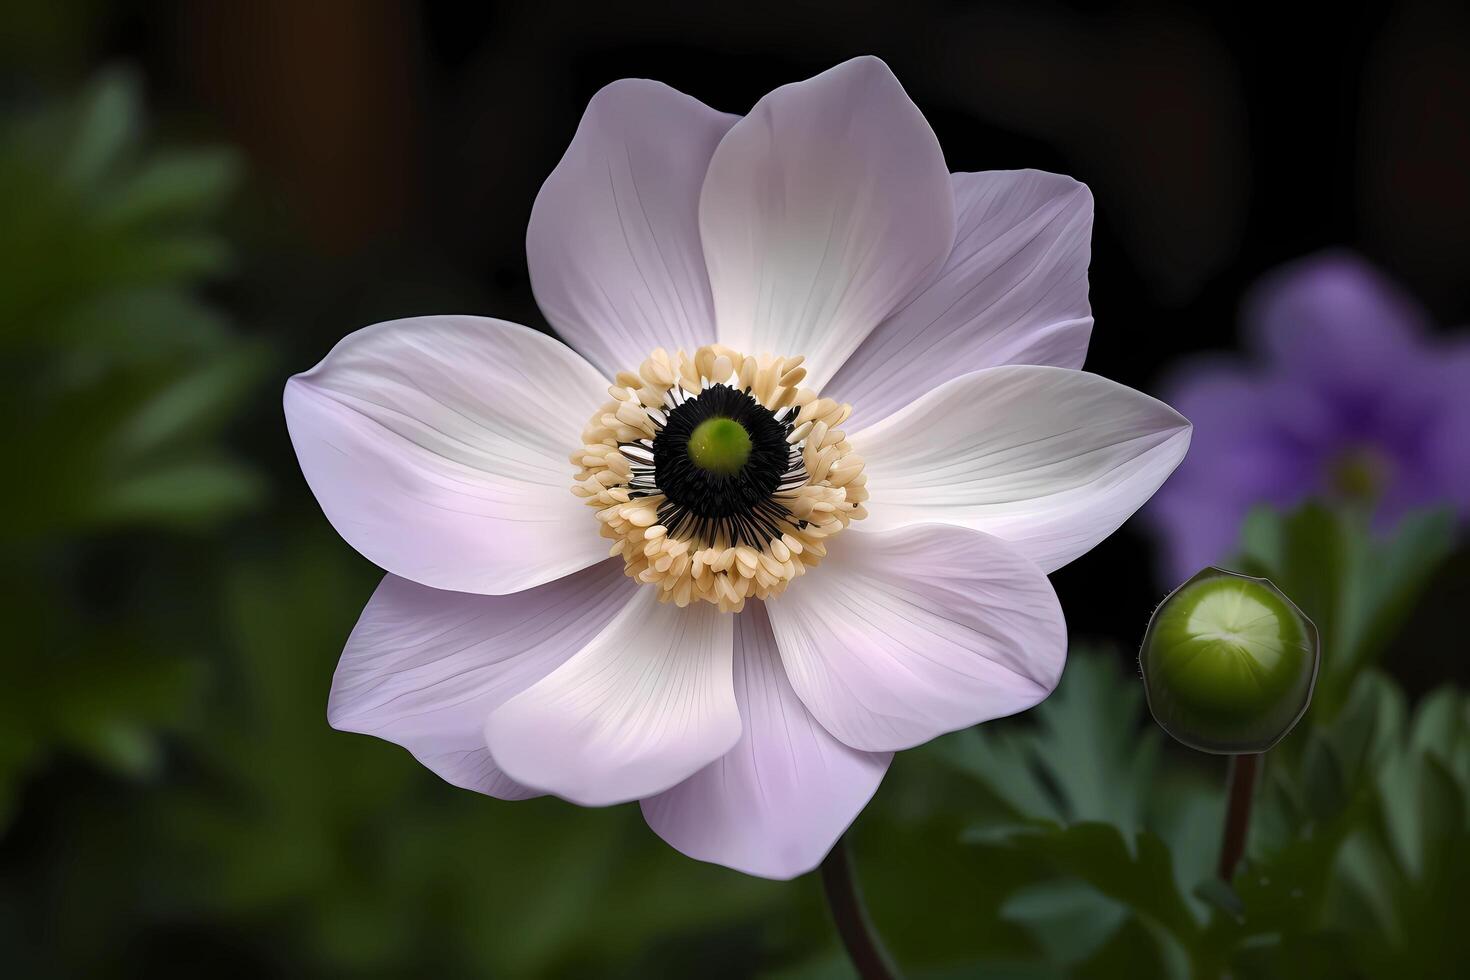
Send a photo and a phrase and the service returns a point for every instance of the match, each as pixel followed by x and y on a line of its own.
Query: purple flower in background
pixel 1352 399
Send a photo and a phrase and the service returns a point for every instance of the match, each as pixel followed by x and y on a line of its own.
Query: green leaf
pixel 1002 762
pixel 1400 879
pixel 185 494
pixel 1354 586
pixel 194 404
pixel 165 257
pixel 1321 561
pixel 123 373
pixel 1400 567
pixel 1368 725
pixel 1138 874
pixel 1360 846
pixel 1424 804
pixel 176 184
pixel 130 327
pixel 1186 810
pixel 1070 920
pixel 1262 544
pixel 107 123
pixel 1090 746
pixel 122 747
pixel 1139 949
pixel 1080 755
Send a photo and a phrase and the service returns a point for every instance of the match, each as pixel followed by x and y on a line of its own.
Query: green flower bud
pixel 1228 663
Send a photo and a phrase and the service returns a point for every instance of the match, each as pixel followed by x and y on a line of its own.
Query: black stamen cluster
pixel 740 507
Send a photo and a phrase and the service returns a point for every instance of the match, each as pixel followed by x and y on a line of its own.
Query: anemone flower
pixel 1351 399
pixel 799 584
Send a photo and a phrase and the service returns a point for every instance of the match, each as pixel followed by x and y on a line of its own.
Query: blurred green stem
pixel 1241 793
pixel 864 948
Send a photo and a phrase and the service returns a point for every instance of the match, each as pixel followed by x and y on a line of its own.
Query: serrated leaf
pixel 1002 762
pixel 1090 746
pixel 1080 755
pixel 1368 883
pixel 1137 873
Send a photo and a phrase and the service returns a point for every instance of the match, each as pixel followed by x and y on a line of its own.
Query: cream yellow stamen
pixel 720 560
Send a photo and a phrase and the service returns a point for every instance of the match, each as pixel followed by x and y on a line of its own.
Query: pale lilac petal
pixel 645 704
pixel 904 635
pixel 424 668
pixel 1014 291
pixel 822 210
pixel 437 447
pixel 1049 459
pixel 613 244
pixel 774 804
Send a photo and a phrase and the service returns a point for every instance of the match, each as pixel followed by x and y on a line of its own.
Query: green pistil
pixel 719 446
pixel 1359 474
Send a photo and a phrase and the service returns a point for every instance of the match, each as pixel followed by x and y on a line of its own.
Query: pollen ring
pixel 709 523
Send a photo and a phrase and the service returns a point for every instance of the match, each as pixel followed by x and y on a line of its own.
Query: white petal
pixel 424 668
pixel 901 636
pixel 775 803
pixel 613 244
pixel 821 211
pixel 437 446
pixel 1014 291
pixel 1051 460
pixel 645 704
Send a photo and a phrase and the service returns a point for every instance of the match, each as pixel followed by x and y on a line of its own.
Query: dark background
pixel 397 148
pixel 392 152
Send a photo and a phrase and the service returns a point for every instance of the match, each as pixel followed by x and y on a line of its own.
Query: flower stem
pixel 864 947
pixel 1242 792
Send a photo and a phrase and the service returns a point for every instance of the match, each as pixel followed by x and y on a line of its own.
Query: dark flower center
pixel 719 458
pixel 1360 474
pixel 717 476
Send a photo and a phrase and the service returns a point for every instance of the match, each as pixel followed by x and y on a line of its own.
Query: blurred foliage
pixel 1356 851
pixel 1356 586
pixel 172 799
pixel 382 865
pixel 1361 832
pixel 118 378
pixel 1085 798
pixel 119 367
